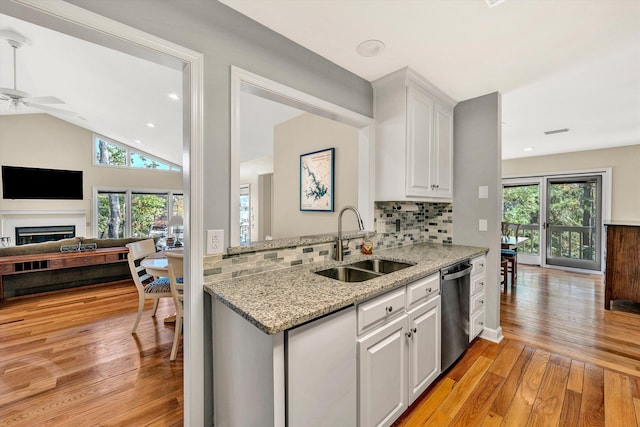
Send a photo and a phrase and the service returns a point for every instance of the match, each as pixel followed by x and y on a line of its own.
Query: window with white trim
pixel 110 153
pixel 135 213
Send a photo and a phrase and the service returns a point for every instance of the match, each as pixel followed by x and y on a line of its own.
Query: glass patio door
pixel 573 224
pixel 521 200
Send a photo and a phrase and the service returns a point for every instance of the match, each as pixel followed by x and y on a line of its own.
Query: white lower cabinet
pixel 398 359
pixel 477 297
pixel 424 347
pixel 383 374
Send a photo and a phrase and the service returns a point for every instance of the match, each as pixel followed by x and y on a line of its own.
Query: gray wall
pixel 477 162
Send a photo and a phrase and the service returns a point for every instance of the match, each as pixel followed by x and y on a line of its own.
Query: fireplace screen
pixel 25 235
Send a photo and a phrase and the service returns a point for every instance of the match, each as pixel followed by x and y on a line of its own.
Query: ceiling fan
pixel 15 97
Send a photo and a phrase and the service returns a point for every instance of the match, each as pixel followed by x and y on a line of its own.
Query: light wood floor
pixel 565 361
pixel 69 359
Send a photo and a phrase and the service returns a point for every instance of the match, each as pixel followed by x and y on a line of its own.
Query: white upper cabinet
pixel 414 138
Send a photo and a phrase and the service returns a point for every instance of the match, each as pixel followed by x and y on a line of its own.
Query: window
pixel 112 214
pixel 109 153
pixel 113 154
pixel 139 160
pixel 132 213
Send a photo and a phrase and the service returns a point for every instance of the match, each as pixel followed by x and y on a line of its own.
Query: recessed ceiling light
pixel 369 48
pixel 137 141
pixel 529 148
pixel 174 96
pixel 151 125
pixel 492 3
pixel 552 132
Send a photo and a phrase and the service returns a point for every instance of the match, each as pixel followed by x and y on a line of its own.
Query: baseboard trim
pixel 493 335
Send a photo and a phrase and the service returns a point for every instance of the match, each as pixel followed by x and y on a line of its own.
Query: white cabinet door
pixel 419 143
pixel 322 373
pixel 383 374
pixel 442 167
pixel 424 347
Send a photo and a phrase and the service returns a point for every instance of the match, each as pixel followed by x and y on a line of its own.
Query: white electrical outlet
pixel 215 241
pixel 482 225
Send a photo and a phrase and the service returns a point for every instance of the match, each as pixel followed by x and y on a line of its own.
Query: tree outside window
pixel 111 215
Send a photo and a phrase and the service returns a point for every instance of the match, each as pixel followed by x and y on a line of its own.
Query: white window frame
pixel 128 192
pixel 172 167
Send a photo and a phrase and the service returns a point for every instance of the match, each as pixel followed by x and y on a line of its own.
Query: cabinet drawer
pixel 56 263
pixel 477 302
pixel 477 283
pixel 477 324
pixel 84 260
pixel 422 289
pixel 380 309
pixel 478 264
pixel 6 268
pixel 111 258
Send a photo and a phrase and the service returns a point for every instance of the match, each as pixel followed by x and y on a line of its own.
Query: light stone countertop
pixel 278 300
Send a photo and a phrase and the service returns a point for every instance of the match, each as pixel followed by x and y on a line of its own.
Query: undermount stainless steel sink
pixel 346 274
pixel 383 266
pixel 361 271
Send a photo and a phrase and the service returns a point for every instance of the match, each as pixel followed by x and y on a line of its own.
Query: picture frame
pixel 317 180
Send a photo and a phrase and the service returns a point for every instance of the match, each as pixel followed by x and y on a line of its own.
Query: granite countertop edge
pixel 268 301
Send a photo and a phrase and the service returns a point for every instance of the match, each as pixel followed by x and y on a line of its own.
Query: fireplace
pixel 25 235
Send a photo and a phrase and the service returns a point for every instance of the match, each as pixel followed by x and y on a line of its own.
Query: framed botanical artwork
pixel 316 180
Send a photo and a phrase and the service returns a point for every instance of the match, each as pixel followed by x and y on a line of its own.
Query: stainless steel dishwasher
pixel 455 284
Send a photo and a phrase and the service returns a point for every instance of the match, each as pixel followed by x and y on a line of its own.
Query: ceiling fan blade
pixel 51 109
pixel 13 93
pixel 44 100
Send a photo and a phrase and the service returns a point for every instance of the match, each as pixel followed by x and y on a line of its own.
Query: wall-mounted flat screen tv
pixel 36 183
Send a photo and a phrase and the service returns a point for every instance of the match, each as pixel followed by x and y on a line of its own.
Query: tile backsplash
pixel 396 224
pixel 406 223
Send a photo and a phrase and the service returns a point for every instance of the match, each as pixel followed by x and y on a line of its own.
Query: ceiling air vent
pixel 552 132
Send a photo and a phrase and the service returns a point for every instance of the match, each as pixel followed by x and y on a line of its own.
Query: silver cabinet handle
pixel 414 330
pixel 389 309
pixel 481 301
pixel 429 290
pixel 408 334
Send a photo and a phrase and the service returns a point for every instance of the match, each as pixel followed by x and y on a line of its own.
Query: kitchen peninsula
pixel 270 327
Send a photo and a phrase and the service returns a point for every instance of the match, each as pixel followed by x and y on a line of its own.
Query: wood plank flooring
pixel 565 361
pixel 70 359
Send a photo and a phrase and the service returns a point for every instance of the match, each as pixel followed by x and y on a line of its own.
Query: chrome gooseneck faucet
pixel 339 249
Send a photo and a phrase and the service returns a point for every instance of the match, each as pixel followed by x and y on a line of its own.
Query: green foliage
pixel 148 213
pixel 521 204
pixel 572 204
pixel 109 227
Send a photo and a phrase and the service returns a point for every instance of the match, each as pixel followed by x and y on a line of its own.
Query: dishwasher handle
pixel 457 274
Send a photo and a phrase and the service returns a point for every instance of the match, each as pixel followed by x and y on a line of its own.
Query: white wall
pixel 301 135
pixel 625 170
pixel 43 141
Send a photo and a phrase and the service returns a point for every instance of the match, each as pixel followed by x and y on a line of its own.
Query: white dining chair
pixel 176 281
pixel 148 286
